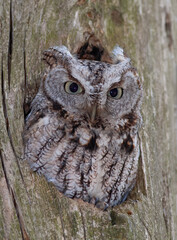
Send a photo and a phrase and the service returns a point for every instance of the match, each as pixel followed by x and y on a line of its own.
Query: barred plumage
pixel 84 138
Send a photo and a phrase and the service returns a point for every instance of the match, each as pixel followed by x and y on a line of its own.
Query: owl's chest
pixel 82 162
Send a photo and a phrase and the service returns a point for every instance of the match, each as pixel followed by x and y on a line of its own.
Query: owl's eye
pixel 115 93
pixel 73 88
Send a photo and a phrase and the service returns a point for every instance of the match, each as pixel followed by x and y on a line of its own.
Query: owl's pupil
pixel 113 92
pixel 73 87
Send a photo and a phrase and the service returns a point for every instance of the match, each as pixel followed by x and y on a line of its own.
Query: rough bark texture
pixel 30 207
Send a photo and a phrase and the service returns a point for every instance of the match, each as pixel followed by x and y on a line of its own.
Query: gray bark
pixel 30 207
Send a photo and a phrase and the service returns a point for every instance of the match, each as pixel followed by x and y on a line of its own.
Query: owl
pixel 82 130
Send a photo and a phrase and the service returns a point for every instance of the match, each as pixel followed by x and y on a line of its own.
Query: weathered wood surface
pixel 30 208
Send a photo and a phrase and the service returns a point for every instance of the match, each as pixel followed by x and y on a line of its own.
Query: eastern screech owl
pixel 82 131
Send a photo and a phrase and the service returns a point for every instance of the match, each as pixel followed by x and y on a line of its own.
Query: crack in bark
pixel 4 102
pixel 12 194
pixel 4 170
pixel 6 115
pixel 168 29
pixel 10 45
pixel 4 107
pixel 22 227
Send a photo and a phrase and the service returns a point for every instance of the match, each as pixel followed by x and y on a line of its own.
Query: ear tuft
pixel 118 55
pixel 56 55
pixel 49 58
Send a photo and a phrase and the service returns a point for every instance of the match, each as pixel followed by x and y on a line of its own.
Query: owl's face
pixel 94 90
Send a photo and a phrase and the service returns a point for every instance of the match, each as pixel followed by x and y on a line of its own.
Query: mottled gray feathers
pixel 82 131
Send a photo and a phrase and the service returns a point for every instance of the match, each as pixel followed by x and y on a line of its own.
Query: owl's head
pixel 93 89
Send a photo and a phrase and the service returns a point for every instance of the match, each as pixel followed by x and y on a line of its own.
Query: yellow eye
pixel 73 88
pixel 115 93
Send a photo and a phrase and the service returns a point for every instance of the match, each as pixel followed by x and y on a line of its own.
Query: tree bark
pixel 30 207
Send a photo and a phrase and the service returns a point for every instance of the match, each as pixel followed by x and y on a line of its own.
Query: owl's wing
pixel 39 108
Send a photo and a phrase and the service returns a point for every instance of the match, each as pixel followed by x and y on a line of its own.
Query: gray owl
pixel 82 131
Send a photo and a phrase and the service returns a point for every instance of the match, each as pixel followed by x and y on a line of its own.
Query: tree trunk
pixel 30 207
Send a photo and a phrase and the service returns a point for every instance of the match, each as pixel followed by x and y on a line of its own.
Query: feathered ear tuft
pixel 49 58
pixel 118 55
pixel 57 55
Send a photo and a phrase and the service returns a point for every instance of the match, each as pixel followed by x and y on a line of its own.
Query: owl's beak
pixel 93 113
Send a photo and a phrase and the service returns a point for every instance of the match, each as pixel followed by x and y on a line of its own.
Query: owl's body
pixel 82 132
